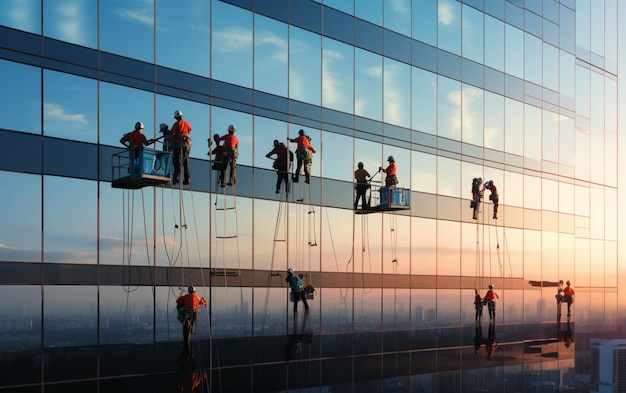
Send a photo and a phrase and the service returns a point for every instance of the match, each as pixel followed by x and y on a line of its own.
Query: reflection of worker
pixel 219 161
pixel 181 146
pixel 479 340
pixel 297 291
pixel 304 155
pixel 477 193
pixel 230 155
pixel 167 136
pixel 188 377
pixel 188 313
pixel 490 344
pixel 559 298
pixel 361 176
pixel 281 164
pixel 478 305
pixel 490 298
pixel 568 296
pixel 493 197
pixel 391 179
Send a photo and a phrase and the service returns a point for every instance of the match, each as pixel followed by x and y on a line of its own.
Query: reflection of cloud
pixel 143 15
pixel 21 13
pixel 71 23
pixel 56 112
pixel 268 38
pixel 8 253
pixel 330 83
pixel 446 13
pixel 232 39
pixel 469 117
pixel 394 102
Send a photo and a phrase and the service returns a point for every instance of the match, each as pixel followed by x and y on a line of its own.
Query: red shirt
pixel 230 141
pixel 568 291
pixel 303 143
pixel 136 138
pixel 190 300
pixel 181 127
pixel 391 169
pixel 492 188
pixel 491 295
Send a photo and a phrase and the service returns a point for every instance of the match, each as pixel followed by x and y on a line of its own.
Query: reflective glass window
pixel 494 121
pixel 532 192
pixel 424 108
pixel 369 154
pixel 115 117
pixel 305 64
pixel 221 119
pixel 514 127
pixel 610 257
pixel 425 16
pixel 120 20
pixel 20 234
pixel 581 199
pixel 448 307
pixel 550 195
pixel 448 177
pixel 472 115
pixel 21 322
pixel 73 21
pixel 567 79
pixel 370 10
pixel 514 186
pixel 610 159
pixel 448 248
pixel 581 271
pixel 597 15
pixel 566 141
pixel 397 15
pixel 583 144
pixel 396 309
pixel 265 132
pixel 367 306
pixel 22 15
pixel 341 5
pixel 494 43
pixel 232 44
pixel 337 75
pixel 127 314
pixel 533 58
pixel 24 83
pixel 69 315
pixel 269 311
pixel 423 303
pixel 566 198
pixel 423 172
pixel 514 52
pixel 184 29
pixel 397 93
pixel 231 313
pixel 368 87
pixel 336 308
pixel 368 248
pixel 423 246
pixel 596 213
pixel 232 247
pixel 270 55
pixel 396 245
pixel 70 223
pixel 335 253
pixel 532 132
pixel 70 107
pixel 337 161
pixel 550 136
pixel 472 34
pixel 449 108
pixel 550 70
pixel 449 26
pixel 610 104
pixel 610 43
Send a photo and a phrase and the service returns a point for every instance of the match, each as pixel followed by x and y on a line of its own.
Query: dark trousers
pixel 228 161
pixel 282 176
pixel 181 154
pixel 297 296
pixel 361 190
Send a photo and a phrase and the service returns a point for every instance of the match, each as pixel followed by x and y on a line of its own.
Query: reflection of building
pixel 524 93
pixel 608 357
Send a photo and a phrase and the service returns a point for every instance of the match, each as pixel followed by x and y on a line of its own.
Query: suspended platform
pixel 138 168
pixel 389 199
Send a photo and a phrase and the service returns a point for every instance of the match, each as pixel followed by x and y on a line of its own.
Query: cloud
pixel 446 13
pixel 71 23
pixel 57 112
pixel 269 39
pixel 232 39
pixel 143 15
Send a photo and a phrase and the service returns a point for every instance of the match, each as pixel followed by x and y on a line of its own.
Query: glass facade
pixel 525 93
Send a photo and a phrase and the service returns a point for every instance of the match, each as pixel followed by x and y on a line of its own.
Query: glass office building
pixel 525 93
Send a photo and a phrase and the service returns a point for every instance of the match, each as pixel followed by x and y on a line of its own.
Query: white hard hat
pixel 178 114
pixel 139 126
pixel 290 271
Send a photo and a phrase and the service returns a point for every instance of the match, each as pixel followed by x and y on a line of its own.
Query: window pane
pixel 514 38
pixel 397 93
pixel 472 34
pixel 115 117
pixel 20 234
pixel 494 43
pixel 337 160
pixel 368 87
pixel 494 121
pixel 304 66
pixel 472 115
pixel 338 76
pixel 121 19
pixel 425 21
pixel 449 26
pixel 449 110
pixel 127 314
pixel 70 107
pixel 196 114
pixel 22 320
pixel 232 44
pixel 270 55
pixel 424 88
pixel 514 131
pixel 191 38
pixel 24 83
pixel 72 21
pixel 423 172
pixel 370 10
pixel 397 16
pixel 448 248
pixel 22 15
pixel 423 246
pixel 533 54
pixel 532 132
pixel 448 177
pixel 69 317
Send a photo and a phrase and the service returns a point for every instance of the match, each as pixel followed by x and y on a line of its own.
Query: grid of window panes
pixel 523 93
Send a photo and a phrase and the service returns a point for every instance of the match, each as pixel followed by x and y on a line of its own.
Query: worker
pixel 559 299
pixel 493 197
pixel 490 298
pixel 361 176
pixel 136 139
pixel 391 180
pixel 479 340
pixel 477 193
pixel 167 136
pixel 282 163
pixel 187 306
pixel 304 155
pixel 219 161
pixel 181 146
pixel 231 153
pixel 568 296
pixel 478 305
pixel 297 291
